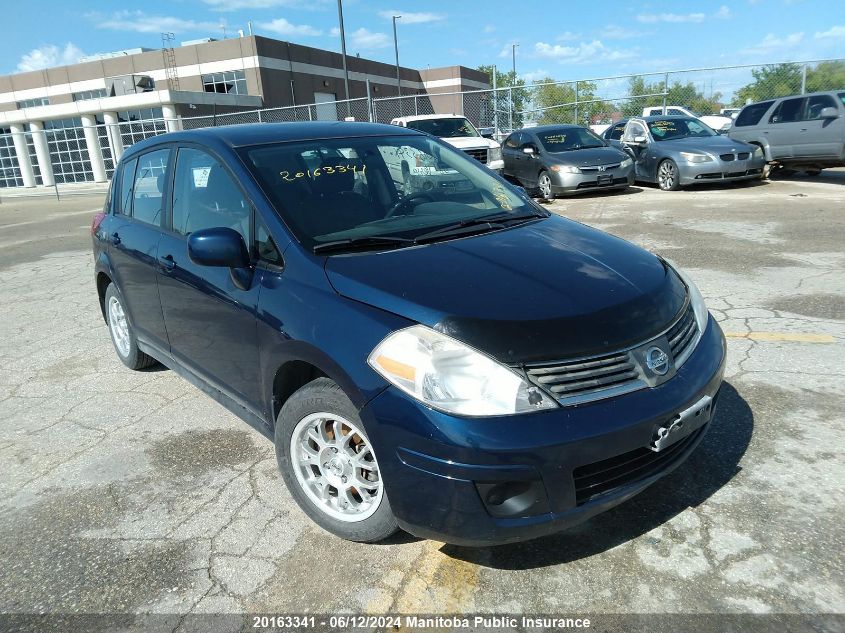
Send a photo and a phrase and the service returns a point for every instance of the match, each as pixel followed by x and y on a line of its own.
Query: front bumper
pixel 436 467
pixel 569 184
pixel 720 171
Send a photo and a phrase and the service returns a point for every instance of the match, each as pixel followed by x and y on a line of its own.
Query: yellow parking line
pixel 794 337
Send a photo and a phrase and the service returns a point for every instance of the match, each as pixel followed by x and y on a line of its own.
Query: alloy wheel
pixel 545 185
pixel 336 467
pixel 666 175
pixel 119 326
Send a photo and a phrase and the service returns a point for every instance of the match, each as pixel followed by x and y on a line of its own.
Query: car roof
pixel 663 117
pixel 549 127
pixel 263 133
pixel 423 117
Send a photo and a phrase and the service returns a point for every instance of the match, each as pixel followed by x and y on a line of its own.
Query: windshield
pixel 445 128
pixel 357 188
pixel 668 129
pixel 568 139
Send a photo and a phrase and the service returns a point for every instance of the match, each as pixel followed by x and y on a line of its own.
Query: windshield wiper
pixel 367 241
pixel 492 223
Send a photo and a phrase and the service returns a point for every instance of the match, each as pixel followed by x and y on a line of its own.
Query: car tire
pixel 317 467
pixel 668 178
pixel 544 186
pixel 122 333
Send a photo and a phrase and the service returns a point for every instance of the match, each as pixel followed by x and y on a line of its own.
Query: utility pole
pixel 513 82
pixel 396 49
pixel 343 54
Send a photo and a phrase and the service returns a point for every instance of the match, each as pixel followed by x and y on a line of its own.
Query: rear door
pixel 133 240
pixel 210 320
pixel 820 138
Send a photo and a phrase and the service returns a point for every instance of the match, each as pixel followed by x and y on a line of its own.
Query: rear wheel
pixel 122 335
pixel 544 186
pixel 329 464
pixel 667 176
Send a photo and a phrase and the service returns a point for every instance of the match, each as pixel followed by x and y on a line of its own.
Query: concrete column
pixel 22 151
pixel 171 119
pixel 95 154
pixel 113 132
pixel 42 152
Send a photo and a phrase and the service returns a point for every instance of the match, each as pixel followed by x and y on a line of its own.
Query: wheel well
pixel 103 282
pixel 289 378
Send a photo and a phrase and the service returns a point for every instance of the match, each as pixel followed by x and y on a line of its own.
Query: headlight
pixel 448 375
pixel 697 301
pixel 565 169
pixel 494 153
pixel 626 163
pixel 758 152
pixel 691 157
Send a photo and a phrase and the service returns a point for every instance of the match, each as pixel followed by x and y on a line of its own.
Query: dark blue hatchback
pixel 427 347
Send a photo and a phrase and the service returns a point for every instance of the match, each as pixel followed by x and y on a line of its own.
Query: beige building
pixel 72 123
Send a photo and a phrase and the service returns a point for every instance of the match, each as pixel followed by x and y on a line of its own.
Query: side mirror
pixel 528 150
pixel 220 246
pixel 640 140
pixel 829 113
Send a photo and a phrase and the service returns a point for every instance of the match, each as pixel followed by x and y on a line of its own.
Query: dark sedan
pixel 565 159
pixel 676 151
pixel 470 368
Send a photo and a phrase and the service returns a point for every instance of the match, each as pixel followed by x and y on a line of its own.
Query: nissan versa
pixel 457 363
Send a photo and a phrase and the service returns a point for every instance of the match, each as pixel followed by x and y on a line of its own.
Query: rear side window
pixel 788 111
pixel 205 196
pixel 842 97
pixel 148 190
pixel 816 104
pixel 751 114
pixel 616 132
pixel 511 141
pixel 123 204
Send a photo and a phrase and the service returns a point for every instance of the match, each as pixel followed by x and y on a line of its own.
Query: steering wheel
pixel 406 200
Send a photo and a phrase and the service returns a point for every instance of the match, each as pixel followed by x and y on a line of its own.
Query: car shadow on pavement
pixel 712 465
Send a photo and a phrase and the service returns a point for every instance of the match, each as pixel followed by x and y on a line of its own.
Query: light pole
pixel 396 49
pixel 343 53
pixel 513 81
pixel 513 52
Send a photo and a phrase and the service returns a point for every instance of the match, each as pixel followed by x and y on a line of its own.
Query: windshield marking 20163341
pixel 328 169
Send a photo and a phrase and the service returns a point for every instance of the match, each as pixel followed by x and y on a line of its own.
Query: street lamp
pixel 343 53
pixel 513 52
pixel 396 48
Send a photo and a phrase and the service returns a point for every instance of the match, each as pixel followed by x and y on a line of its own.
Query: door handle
pixel 167 262
pixel 115 238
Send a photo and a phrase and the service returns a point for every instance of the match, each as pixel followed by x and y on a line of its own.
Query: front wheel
pixel 667 176
pixel 544 186
pixel 122 334
pixel 330 466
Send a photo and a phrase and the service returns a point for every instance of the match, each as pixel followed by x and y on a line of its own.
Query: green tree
pixel 771 81
pixel 679 94
pixel 826 76
pixel 520 94
pixel 574 102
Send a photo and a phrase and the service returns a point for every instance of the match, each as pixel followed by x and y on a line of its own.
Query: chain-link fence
pixel 66 151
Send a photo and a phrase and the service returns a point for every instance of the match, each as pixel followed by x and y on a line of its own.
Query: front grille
pixel 478 154
pixel 726 157
pixel 593 378
pixel 628 468
pixel 682 335
pixel 730 157
pixel 596 167
pixel 743 156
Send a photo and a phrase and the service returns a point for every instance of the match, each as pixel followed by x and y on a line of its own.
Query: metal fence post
pixel 803 79
pixel 665 90
pixel 510 110
pixel 576 103
pixel 369 102
pixel 495 105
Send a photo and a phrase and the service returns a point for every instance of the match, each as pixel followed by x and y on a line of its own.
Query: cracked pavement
pixel 132 492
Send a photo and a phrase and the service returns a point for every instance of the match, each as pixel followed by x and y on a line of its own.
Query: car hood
pixel 546 290
pixel 588 157
pixel 470 142
pixel 715 144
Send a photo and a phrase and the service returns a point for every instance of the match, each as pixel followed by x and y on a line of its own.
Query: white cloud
pixel 568 36
pixel 489 28
pixel 832 32
pixel 584 52
pixel 364 39
pixel 140 22
pixel 410 17
pixel 49 56
pixel 723 13
pixel 653 18
pixel 280 26
pixel 773 44
pixel 535 75
pixel 616 32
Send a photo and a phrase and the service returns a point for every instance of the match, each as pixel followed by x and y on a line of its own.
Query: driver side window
pixel 205 196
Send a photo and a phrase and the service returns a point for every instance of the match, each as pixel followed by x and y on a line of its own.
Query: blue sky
pixel 564 40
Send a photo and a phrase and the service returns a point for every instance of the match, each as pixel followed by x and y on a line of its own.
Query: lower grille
pixel 478 154
pixel 607 183
pixel 628 468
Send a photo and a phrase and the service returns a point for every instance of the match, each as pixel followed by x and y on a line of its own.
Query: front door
pixel 134 239
pixel 210 320
pixel 820 137
pixel 644 162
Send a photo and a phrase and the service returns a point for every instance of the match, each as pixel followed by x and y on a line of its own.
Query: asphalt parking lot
pixel 134 492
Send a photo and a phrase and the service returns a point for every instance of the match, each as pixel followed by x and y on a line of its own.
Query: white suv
pixel 458 131
pixel 718 122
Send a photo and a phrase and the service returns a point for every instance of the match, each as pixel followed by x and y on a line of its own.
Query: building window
pixel 10 173
pixel 230 82
pixel 105 145
pixel 68 151
pixel 87 95
pixel 33 103
pixel 136 125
